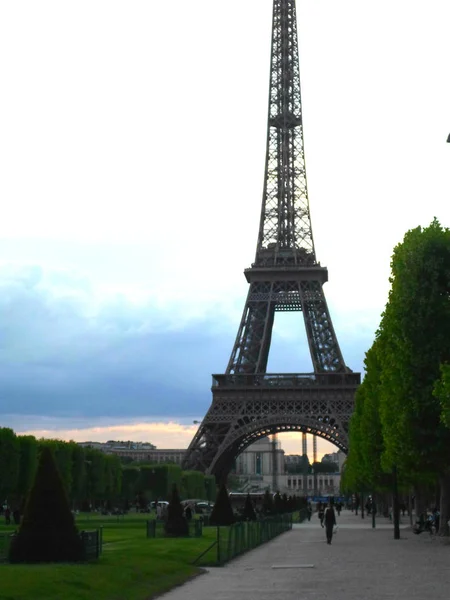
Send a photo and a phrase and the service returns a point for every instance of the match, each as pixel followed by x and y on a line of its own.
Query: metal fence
pixel 155 528
pixel 241 537
pixel 92 544
pixel 5 542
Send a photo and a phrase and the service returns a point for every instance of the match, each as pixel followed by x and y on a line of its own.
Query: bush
pixel 268 507
pixel 176 524
pixel 278 504
pixel 48 532
pixel 249 511
pixel 222 513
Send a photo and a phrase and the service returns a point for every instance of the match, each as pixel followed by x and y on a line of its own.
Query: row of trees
pixel 91 477
pixel 304 467
pixel 400 429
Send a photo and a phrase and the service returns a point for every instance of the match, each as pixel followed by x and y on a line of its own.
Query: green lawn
pixel 131 567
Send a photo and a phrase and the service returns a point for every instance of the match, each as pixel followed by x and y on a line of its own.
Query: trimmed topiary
pixel 249 510
pixel 278 504
pixel 176 524
pixel 222 513
pixel 48 532
pixel 268 507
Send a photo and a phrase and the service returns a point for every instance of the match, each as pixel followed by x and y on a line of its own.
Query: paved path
pixel 361 564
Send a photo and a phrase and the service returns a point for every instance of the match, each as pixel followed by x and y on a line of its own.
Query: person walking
pixel 330 521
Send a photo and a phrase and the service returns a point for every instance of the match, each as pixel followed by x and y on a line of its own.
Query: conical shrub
pixel 48 532
pixel 268 506
pixel 176 524
pixel 249 510
pixel 222 513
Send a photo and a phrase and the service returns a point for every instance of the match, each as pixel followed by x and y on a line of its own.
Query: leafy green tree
pixel 325 467
pixel 78 473
pixel 222 512
pixel 95 476
pixel 193 484
pixel 157 481
pixel 129 487
pixel 27 465
pixel 442 392
pixel 9 463
pixel 415 330
pixel 47 532
pixel 210 487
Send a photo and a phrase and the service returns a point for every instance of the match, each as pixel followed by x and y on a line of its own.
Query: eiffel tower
pixel 248 402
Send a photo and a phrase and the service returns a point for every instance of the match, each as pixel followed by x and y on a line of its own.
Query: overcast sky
pixel 132 148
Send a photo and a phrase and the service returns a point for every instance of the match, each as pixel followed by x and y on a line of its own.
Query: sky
pixel 132 149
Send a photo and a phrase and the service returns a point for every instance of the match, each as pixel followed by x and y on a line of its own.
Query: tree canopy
pixel 402 414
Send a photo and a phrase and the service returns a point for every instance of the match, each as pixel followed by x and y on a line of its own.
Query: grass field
pixel 131 567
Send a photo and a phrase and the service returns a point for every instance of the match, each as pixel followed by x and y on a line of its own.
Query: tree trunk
pixel 444 507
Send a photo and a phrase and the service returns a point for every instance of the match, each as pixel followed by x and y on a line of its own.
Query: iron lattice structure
pixel 285 276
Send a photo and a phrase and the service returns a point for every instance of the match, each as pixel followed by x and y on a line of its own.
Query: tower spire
pixel 285 234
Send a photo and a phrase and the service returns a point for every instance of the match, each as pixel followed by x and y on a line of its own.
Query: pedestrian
pixel 309 511
pixel 330 521
pixel 320 513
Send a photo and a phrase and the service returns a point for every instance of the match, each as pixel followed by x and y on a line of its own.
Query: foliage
pixel 278 504
pixel 300 468
pixel 325 467
pixel 192 484
pixel 249 510
pixel 176 523
pixel 27 465
pixel 210 487
pixel 157 481
pixel 47 532
pixel 400 412
pixel 268 507
pixel 442 392
pixel 222 512
pixel 9 462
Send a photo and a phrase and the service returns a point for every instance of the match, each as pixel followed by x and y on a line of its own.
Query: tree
pixel 47 532
pixel 399 422
pixel 158 480
pixel 27 465
pixel 9 463
pixel 415 333
pixel 249 510
pixel 222 512
pixel 268 506
pixel 442 392
pixel 176 524
pixel 278 504
pixel 78 473
pixel 193 484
